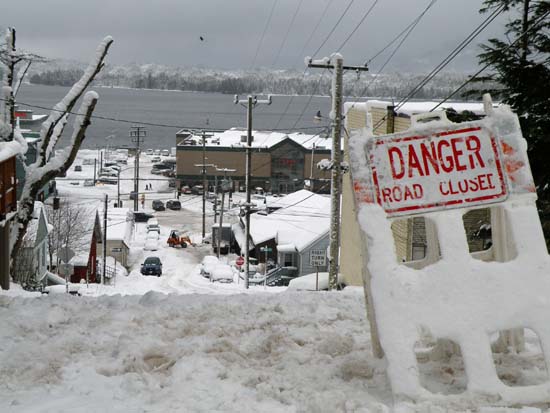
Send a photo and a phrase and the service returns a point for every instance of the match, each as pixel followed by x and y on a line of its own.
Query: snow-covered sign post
pixel 441 169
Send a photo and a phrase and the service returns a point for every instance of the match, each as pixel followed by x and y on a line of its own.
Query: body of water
pixel 177 110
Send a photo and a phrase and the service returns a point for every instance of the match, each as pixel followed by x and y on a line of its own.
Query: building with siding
pixel 298 224
pixel 281 163
pixel 409 234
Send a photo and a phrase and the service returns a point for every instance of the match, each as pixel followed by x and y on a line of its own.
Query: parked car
pixel 151 241
pixel 88 161
pixel 158 205
pixel 122 161
pixel 89 182
pixel 141 216
pixel 173 204
pixel 133 195
pixel 172 183
pixel 78 168
pixel 165 152
pixel 222 273
pixel 155 159
pixel 107 180
pixel 207 264
pixel 157 152
pixel 186 190
pixel 197 190
pixel 152 266
pixel 149 152
pixel 153 225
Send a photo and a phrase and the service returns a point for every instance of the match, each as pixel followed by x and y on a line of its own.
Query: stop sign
pixel 240 261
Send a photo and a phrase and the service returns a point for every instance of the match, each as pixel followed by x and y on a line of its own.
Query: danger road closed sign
pixel 456 168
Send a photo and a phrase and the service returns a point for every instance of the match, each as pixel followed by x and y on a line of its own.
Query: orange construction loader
pixel 177 240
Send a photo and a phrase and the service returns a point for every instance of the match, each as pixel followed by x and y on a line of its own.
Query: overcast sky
pixel 168 31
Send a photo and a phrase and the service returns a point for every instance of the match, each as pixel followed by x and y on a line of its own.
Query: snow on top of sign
pixel 459 297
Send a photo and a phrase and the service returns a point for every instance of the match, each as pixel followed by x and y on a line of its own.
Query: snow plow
pixel 177 240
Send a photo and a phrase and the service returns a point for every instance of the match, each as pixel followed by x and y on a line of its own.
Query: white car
pixel 222 273
pixel 165 152
pixel 153 225
pixel 207 264
pixel 152 241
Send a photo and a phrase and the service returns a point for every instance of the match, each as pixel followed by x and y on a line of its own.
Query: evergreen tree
pixel 520 65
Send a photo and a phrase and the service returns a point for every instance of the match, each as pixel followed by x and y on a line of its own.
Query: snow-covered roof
pixel 9 149
pixel 303 218
pixel 413 108
pixel 263 139
pixel 29 239
pixel 119 224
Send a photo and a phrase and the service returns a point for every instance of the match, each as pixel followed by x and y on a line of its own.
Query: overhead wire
pixel 287 32
pixel 369 10
pixel 263 33
pixel 461 46
pixel 333 28
pixel 475 75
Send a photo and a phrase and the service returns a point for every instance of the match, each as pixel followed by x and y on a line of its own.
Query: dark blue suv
pixel 152 266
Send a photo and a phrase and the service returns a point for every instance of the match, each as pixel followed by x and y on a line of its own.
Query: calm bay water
pixel 174 108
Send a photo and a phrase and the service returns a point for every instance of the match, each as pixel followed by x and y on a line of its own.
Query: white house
pixel 298 225
pixel 31 262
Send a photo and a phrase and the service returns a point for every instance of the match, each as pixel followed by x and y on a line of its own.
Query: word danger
pixel 435 171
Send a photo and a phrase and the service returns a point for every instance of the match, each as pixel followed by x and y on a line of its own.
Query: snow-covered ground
pixel 180 343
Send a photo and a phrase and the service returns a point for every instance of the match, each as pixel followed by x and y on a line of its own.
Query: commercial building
pixel 281 163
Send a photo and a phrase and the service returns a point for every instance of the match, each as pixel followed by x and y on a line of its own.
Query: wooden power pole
pixel 249 103
pixel 336 62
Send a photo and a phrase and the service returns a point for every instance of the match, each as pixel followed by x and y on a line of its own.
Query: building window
pixel 288 260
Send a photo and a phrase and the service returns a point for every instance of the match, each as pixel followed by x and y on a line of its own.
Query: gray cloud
pixel 167 31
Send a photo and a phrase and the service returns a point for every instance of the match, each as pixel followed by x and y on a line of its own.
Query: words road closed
pixel 434 171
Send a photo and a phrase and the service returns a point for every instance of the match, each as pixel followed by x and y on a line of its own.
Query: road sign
pixel 66 269
pixel 65 254
pixel 416 173
pixel 266 249
pixel 239 261
pixel 317 258
pixel 116 249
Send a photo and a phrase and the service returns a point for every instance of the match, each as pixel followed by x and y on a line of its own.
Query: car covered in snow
pixel 152 241
pixel 207 264
pixel 153 225
pixel 222 273
pixel 152 266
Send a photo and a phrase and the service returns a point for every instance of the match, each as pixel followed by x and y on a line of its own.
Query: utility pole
pixel 225 187
pixel 249 103
pixel 118 189
pixel 204 166
pixel 136 133
pixel 104 239
pixel 336 62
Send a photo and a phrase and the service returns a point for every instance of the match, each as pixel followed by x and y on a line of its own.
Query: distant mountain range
pixel 259 81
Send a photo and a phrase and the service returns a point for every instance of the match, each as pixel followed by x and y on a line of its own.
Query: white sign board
pixel 419 173
pixel 317 258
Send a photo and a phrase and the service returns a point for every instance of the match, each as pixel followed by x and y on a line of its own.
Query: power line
pixel 287 32
pixel 452 55
pixel 263 34
pixel 358 25
pixel 410 28
pixel 138 122
pixel 520 37
pixel 333 28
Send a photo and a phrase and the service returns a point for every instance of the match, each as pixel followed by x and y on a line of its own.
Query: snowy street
pixel 187 353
